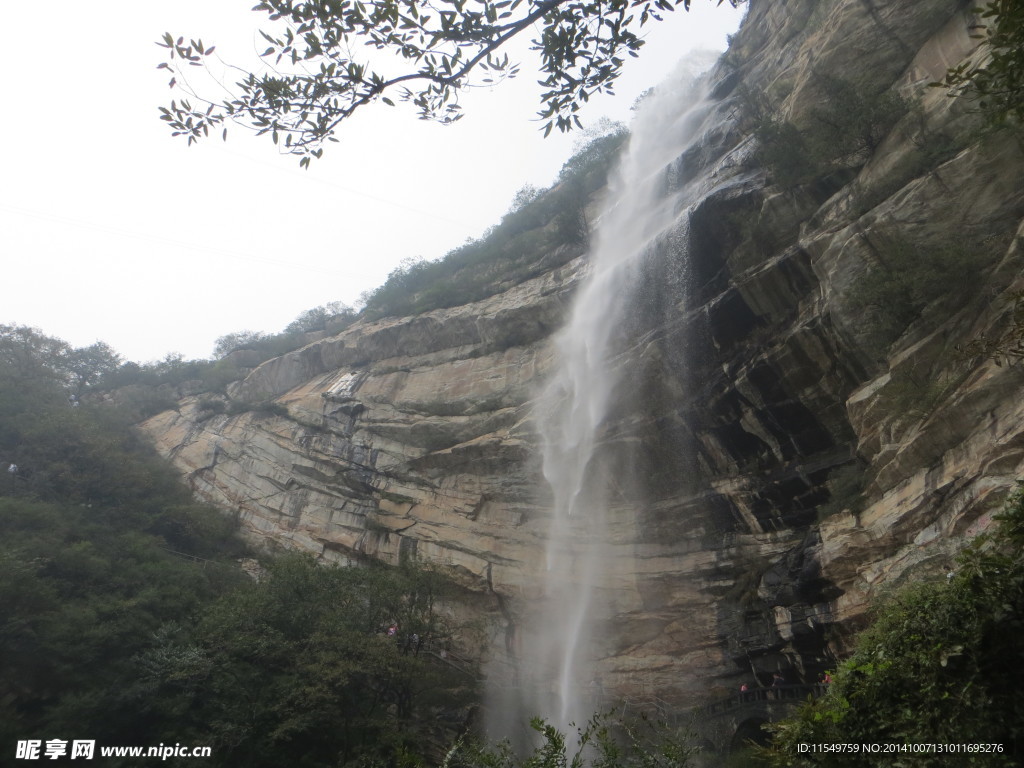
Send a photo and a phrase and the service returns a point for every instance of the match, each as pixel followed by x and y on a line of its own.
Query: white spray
pixel 558 668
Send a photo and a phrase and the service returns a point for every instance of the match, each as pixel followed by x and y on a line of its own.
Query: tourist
pixel 778 682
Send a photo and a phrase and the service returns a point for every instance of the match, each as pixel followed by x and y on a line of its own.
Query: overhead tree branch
pixel 446 42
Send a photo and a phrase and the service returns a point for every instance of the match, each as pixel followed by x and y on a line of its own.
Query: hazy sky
pixel 110 230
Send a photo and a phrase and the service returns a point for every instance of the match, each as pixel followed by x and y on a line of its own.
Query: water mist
pixel 558 670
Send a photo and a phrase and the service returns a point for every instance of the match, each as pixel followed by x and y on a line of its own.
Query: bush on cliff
pixel 842 132
pixel 910 280
pixel 997 83
pixel 942 663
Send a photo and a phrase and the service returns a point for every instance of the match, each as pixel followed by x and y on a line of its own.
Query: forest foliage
pixel 939 664
pixel 124 616
pixel 910 280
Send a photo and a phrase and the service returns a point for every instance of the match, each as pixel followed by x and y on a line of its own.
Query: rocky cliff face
pixel 776 464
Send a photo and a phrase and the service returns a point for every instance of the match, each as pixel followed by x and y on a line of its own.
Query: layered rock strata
pixel 753 378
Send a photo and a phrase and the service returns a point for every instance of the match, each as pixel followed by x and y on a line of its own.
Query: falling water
pixel 647 204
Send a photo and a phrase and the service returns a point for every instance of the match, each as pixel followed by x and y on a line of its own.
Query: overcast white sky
pixel 110 230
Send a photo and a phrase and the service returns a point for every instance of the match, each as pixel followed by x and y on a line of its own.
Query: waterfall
pixel 647 203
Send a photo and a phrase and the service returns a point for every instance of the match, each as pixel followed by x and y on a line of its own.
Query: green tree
pixel 910 280
pixel 85 575
pixel 238 340
pixel 314 82
pixel 523 197
pixel 997 81
pixel 850 122
pixel 941 664
pixel 107 630
pixel 300 669
pixel 318 318
pixel 88 365
pixel 32 356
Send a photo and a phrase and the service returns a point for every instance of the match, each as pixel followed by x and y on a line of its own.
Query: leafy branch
pixel 445 46
pixel 997 80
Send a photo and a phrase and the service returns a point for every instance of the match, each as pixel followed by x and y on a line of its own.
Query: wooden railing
pixel 791 694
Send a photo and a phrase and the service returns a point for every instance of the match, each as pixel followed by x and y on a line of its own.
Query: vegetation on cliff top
pixel 542 229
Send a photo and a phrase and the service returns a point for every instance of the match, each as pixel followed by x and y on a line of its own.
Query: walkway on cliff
pixel 777 694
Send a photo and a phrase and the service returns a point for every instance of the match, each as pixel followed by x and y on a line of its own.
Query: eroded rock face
pixel 401 434
pixel 752 378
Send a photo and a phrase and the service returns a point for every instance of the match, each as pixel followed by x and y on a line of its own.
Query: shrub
pixel 909 279
pixel 600 743
pixel 238 340
pixel 333 317
pixel 913 396
pixel 211 406
pixel 1008 345
pixel 940 664
pixel 783 150
pixel 317 319
pixel 997 83
pixel 843 131
pixel 850 123
pixel 846 491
